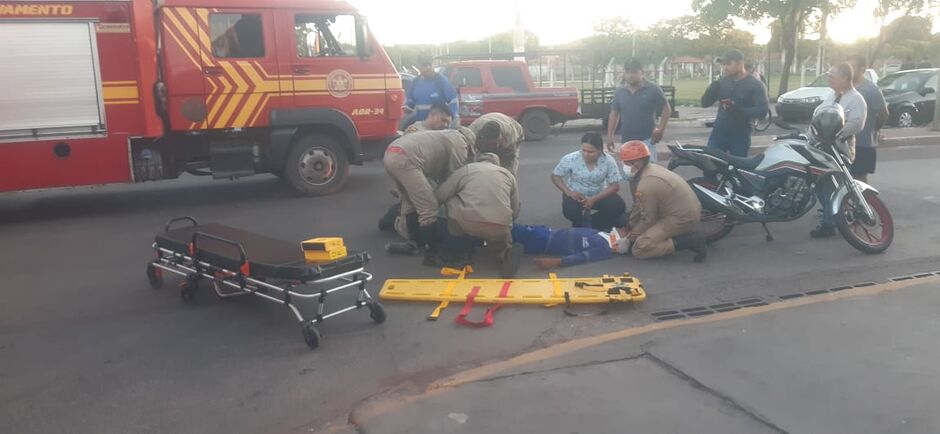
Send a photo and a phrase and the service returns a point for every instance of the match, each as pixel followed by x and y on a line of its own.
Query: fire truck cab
pixel 110 91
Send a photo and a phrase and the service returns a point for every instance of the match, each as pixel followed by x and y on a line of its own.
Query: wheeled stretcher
pixel 238 262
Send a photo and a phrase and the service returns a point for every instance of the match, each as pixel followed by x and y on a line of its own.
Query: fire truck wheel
pixel 316 165
pixel 536 124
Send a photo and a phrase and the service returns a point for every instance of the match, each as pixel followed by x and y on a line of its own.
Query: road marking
pixel 382 406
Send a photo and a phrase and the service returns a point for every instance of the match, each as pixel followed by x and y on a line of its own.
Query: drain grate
pixel 825 291
pixel 914 276
pixel 697 311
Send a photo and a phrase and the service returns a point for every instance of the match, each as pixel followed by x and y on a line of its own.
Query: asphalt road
pixel 87 346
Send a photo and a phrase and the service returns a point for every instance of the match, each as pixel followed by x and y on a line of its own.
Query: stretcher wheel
pixel 311 334
pixel 376 312
pixel 187 293
pixel 155 276
pixel 188 289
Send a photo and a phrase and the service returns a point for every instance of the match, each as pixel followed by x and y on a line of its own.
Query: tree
pixel 614 28
pixel 891 31
pixel 790 15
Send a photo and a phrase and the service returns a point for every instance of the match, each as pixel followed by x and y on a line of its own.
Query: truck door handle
pixel 213 70
pixel 301 70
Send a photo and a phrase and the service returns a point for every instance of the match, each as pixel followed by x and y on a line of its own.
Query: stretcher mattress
pixel 267 257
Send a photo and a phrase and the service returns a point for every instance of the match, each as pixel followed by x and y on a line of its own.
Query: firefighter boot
pixel 428 237
pixel 694 242
pixel 456 251
pixel 511 259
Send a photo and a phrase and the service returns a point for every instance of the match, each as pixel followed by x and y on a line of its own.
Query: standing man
pixel 428 88
pixel 866 141
pixel 414 159
pixel 482 201
pixel 665 210
pixel 853 104
pixel 439 118
pixel 635 108
pixel 742 98
pixel 501 135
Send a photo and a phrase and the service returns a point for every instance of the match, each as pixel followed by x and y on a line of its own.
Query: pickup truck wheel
pixel 316 165
pixel 536 124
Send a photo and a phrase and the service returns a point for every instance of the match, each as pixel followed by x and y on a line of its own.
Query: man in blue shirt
pixel 866 141
pixel 429 88
pixel 634 109
pixel 742 98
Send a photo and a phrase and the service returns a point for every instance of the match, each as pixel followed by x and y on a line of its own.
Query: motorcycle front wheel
pixel 713 225
pixel 869 237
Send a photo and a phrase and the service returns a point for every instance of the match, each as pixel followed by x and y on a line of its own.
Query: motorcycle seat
pixel 750 163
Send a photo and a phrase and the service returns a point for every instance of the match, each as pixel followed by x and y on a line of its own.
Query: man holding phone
pixel 741 98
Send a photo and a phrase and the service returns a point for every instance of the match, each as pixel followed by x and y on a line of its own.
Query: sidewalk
pixel 861 360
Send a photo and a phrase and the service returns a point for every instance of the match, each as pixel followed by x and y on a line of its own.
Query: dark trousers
pixel 735 141
pixel 605 214
pixel 824 191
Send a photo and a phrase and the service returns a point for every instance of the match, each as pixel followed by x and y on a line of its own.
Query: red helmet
pixel 634 150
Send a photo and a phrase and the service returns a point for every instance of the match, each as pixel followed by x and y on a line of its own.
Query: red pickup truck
pixel 505 86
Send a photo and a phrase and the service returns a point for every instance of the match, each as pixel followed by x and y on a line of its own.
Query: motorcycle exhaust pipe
pixel 715 202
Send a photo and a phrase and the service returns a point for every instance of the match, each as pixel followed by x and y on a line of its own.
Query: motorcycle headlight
pixel 812 99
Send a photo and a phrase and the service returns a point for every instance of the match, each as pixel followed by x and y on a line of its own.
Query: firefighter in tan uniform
pixel 501 135
pixel 665 210
pixel 482 201
pixel 414 161
pixel 439 118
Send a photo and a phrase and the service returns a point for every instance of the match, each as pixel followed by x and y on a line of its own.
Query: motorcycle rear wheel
pixel 713 225
pixel 868 237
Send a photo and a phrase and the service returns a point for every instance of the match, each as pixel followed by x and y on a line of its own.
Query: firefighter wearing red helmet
pixel 665 210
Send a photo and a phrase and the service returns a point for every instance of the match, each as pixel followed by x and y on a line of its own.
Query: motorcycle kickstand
pixel 770 236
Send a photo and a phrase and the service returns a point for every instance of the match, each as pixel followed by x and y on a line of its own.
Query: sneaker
pixel 824 230
pixel 409 248
pixel 511 262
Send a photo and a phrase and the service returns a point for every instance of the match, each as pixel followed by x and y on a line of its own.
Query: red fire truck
pixel 112 91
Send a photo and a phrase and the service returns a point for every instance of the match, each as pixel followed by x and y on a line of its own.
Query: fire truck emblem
pixel 339 83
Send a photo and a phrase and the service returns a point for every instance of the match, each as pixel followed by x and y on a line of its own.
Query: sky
pixel 555 22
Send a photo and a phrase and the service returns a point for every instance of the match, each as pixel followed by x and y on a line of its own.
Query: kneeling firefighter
pixel 414 161
pixel 665 210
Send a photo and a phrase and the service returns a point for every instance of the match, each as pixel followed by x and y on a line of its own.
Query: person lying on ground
pixel 569 246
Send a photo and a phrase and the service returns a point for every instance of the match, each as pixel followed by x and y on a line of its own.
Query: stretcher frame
pixel 194 270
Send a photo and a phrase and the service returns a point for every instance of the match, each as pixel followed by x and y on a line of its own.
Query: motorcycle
pixel 782 185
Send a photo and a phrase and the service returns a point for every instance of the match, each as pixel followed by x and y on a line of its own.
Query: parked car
pixel 911 96
pixel 798 105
